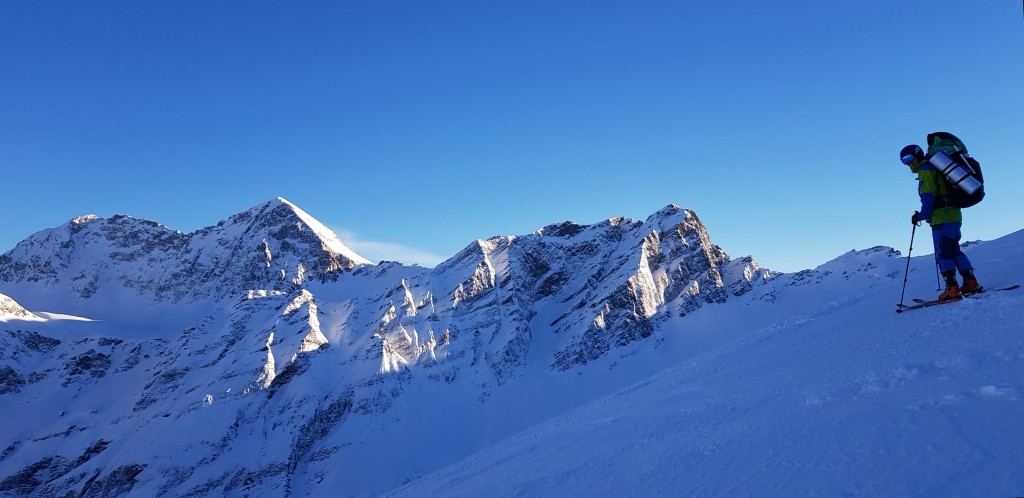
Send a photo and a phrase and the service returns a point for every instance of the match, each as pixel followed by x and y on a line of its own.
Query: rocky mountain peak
pixel 280 220
pixel 670 211
pixel 81 220
pixel 274 245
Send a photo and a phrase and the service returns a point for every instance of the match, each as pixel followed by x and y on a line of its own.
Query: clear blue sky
pixel 413 128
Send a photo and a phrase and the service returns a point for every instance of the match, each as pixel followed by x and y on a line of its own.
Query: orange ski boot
pixel 952 287
pixel 971 284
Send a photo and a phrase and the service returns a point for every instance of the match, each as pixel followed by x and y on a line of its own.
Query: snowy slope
pixel 261 357
pixel 846 398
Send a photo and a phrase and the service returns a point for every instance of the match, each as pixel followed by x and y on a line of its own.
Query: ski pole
pixel 938 283
pixel 906 273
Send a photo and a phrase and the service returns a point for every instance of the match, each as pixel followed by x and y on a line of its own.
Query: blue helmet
pixel 910 154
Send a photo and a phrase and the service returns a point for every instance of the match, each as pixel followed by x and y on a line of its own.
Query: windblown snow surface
pixel 844 397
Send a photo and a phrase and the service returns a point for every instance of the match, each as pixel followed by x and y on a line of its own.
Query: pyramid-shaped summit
pixel 287 229
pixel 273 245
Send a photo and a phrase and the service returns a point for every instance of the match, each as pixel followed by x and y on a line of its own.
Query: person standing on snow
pixel 945 219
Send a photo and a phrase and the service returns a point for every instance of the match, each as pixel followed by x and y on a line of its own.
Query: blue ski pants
pixel 948 255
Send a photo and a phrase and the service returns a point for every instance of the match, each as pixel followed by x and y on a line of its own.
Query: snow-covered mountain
pixel 842 397
pixel 261 356
pixel 121 259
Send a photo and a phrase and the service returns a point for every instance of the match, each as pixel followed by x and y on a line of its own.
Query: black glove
pixel 916 218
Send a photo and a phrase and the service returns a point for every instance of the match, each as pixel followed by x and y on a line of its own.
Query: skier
pixel 945 220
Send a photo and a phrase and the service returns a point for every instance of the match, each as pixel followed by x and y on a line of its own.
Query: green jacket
pixel 933 188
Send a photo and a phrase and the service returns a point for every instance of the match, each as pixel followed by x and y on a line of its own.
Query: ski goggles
pixel 907 159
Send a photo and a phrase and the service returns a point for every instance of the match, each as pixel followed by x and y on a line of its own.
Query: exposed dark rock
pixel 91 363
pixel 294 369
pixel 316 428
pixel 10 380
pixel 552 284
pixel 35 341
pixel 565 229
pixel 512 356
pixel 9 450
pixel 592 345
pixel 133 360
pixel 28 479
pixel 118 482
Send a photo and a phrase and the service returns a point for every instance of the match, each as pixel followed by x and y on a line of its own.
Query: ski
pixel 900 308
pixel 980 291
pixel 920 303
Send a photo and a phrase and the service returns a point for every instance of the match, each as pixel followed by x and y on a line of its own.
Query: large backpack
pixel 953 147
